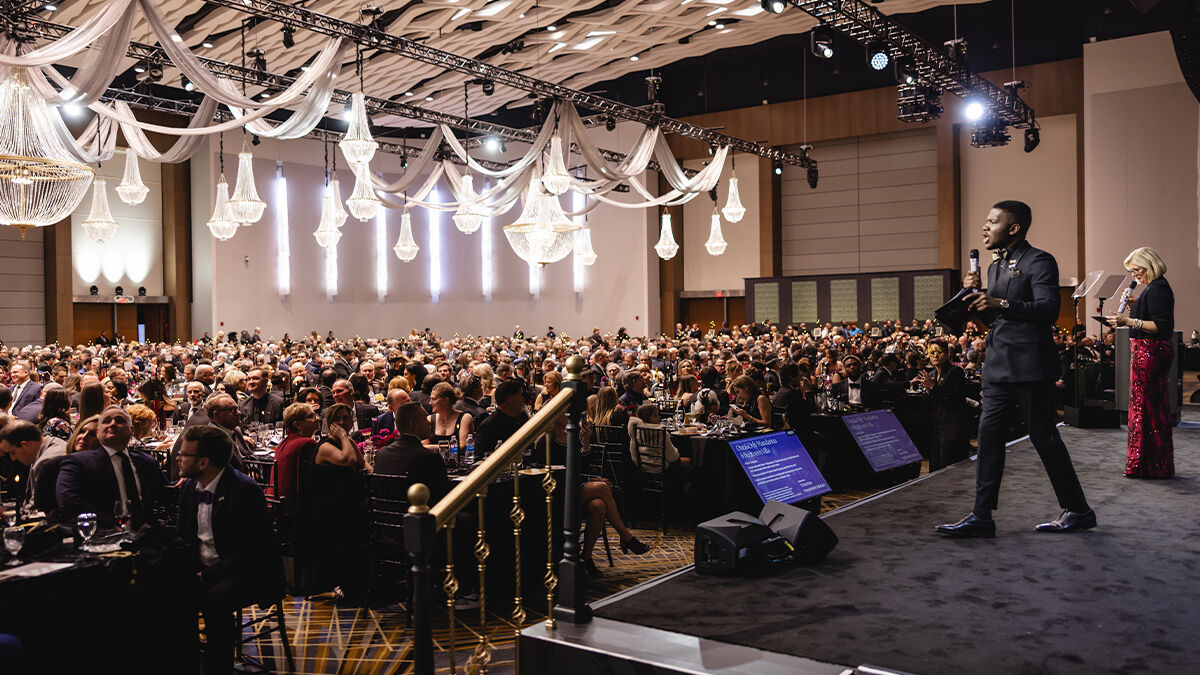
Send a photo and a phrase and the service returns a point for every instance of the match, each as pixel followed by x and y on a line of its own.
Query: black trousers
pixel 1036 403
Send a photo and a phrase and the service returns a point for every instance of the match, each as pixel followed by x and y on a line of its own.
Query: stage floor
pixel 1119 599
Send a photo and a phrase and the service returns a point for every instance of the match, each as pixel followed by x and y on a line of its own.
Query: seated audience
pixel 408 456
pixel 25 443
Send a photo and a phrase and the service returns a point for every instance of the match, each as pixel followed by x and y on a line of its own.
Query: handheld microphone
pixel 973 262
pixel 1125 297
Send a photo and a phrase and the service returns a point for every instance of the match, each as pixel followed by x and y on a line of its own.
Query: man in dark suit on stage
pixel 223 517
pixel 94 480
pixel 1021 365
pixel 407 456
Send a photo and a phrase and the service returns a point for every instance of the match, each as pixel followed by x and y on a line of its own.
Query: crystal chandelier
pixel 469 215
pixel 222 225
pixel 328 233
pixel 666 246
pixel 338 213
pixel 583 247
pixel 733 210
pixel 363 203
pixel 132 190
pixel 100 225
pixel 40 182
pixel 556 180
pixel 357 144
pixel 542 234
pixel 406 247
pixel 716 241
pixel 245 205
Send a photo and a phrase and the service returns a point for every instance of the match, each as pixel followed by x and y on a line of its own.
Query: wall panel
pixel 22 287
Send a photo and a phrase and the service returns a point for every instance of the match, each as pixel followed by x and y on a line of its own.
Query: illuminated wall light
pixel 381 253
pixel 331 269
pixel 283 255
pixel 578 200
pixel 485 253
pixel 535 281
pixel 435 247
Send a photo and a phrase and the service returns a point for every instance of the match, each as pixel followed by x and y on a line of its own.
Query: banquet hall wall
pixel 236 285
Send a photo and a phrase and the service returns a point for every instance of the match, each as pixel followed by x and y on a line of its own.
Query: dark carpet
pixel 1124 598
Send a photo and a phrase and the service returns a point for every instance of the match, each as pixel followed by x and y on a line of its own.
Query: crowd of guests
pixel 412 395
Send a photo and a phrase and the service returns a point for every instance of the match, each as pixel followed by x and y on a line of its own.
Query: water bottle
pixel 454 449
pixel 469 451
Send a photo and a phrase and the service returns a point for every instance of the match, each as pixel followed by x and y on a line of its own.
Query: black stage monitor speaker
pixel 731 543
pixel 811 539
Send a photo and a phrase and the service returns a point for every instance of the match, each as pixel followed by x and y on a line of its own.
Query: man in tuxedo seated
pixel 387 421
pixel 96 480
pixel 407 456
pixel 888 386
pixel 223 517
pixel 855 389
pixel 191 412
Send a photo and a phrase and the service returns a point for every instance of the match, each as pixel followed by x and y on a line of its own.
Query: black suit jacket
pixel 31 411
pixel 30 395
pixel 842 390
pixel 183 415
pixel 886 388
pixel 386 421
pixel 242 534
pixel 406 456
pixel 1021 338
pixel 365 414
pixel 87 482
pixel 270 412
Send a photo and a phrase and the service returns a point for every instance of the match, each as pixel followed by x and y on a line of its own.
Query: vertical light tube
pixel 283 255
pixel 486 270
pixel 331 267
pixel 578 200
pixel 381 253
pixel 535 281
pixel 435 247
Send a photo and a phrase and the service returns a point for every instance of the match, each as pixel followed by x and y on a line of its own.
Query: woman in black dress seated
pixel 332 517
pixel 946 385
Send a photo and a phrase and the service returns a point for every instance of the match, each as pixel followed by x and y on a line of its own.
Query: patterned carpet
pixel 332 636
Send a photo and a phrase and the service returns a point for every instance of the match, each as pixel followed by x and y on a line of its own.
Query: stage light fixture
pixel 72 109
pixel 905 72
pixel 974 110
pixel 812 177
pixel 877 56
pixel 141 291
pixel 289 37
pixel 990 134
pixel 1033 136
pixel 492 144
pixel 119 290
pixel 778 167
pixel 489 87
pixel 258 58
pixel 917 103
pixel 187 84
pixel 610 123
pixel 821 44
pixel 94 290
pixel 773 6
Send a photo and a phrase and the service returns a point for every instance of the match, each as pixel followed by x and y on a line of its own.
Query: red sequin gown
pixel 1151 448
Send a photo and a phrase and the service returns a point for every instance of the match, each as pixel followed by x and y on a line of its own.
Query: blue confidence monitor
pixel 779 467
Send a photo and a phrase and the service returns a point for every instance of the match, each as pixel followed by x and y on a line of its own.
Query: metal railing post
pixel 571 605
pixel 419 540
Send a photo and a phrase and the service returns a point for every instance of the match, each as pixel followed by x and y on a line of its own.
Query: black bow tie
pixel 204 496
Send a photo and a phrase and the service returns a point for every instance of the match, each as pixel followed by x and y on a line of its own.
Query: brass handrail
pixel 508 452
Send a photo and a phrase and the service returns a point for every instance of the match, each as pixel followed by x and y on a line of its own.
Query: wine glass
pixel 10 513
pixel 444 449
pixel 14 539
pixel 121 514
pixel 87 524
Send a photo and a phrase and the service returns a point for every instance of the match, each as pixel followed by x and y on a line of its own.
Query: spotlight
pixel 141 291
pixel 94 290
pixel 905 72
pixel 50 7
pixel 492 144
pixel 139 68
pixel 610 123
pixel 974 110
pixel 259 58
pixel 489 87
pixel 773 6
pixel 187 84
pixel 778 166
pixel 347 111
pixel 72 109
pixel 992 133
pixel 404 161
pixel 1033 136
pixel 289 37
pixel 255 140
pixel 119 290
pixel 408 93
pixel 877 56
pixel 812 177
pixel 551 28
pixel 821 44
pixel 429 99
pixel 633 58
pixel 206 44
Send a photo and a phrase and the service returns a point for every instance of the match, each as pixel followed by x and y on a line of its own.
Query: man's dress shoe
pixel 971 526
pixel 1070 521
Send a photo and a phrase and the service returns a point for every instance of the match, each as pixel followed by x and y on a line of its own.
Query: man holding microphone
pixel 1020 306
